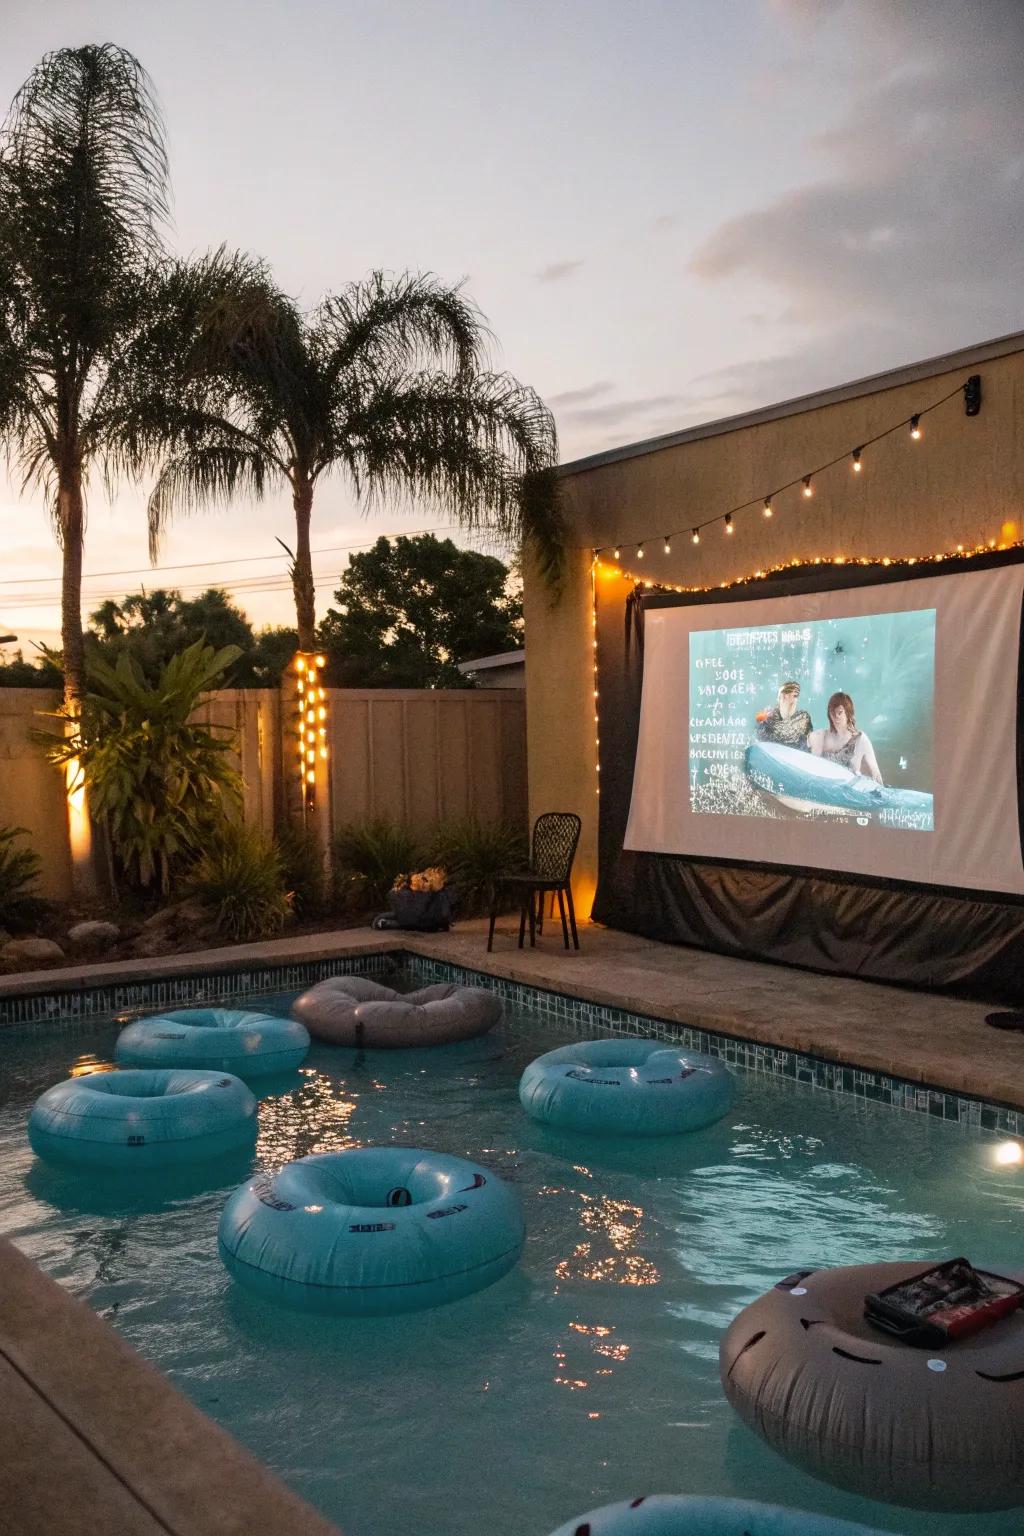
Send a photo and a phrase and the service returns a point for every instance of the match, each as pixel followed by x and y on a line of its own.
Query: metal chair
pixel 555 838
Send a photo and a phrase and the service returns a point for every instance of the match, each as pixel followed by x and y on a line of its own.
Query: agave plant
pixel 475 853
pixel 240 876
pixel 368 858
pixel 159 781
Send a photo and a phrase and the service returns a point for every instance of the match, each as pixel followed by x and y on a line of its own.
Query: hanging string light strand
pixel 805 479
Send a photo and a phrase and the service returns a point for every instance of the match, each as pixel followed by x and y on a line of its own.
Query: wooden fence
pixel 420 756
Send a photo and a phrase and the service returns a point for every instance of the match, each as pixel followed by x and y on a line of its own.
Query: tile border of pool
pixel 74 1007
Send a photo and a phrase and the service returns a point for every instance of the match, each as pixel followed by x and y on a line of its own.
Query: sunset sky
pixel 669 210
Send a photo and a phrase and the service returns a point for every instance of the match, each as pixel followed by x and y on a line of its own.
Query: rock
pixel 94 935
pixel 182 917
pixel 29 952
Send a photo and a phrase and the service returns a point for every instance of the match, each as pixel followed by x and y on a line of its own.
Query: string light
pixel 597 720
pixel 806 481
pixel 668 545
pixel 959 553
pixel 310 707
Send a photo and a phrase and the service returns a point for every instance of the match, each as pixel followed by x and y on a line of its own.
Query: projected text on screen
pixel 829 720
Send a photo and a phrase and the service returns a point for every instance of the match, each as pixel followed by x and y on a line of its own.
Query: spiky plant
pixel 20 903
pixel 240 876
pixel 368 858
pixel 474 853
pixel 385 383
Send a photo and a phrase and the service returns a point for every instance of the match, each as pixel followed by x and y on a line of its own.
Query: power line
pixel 333 549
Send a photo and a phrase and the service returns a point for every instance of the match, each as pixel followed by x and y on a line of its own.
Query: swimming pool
pixel 588 1374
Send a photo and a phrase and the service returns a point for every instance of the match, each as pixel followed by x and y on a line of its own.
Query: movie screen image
pixel 829 720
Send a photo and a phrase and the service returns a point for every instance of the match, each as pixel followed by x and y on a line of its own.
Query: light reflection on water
pixel 589 1373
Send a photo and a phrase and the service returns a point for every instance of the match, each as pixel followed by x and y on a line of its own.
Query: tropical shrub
pixel 368 858
pixel 240 877
pixel 19 869
pixel 160 782
pixel 302 862
pixel 474 853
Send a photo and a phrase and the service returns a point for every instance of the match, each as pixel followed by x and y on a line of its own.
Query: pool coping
pixel 540 979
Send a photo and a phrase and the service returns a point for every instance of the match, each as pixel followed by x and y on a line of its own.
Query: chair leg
pixel 490 928
pixel 533 938
pixel 561 913
pixel 572 917
pixel 540 913
pixel 522 921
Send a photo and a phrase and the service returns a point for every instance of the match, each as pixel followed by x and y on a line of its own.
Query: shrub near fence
pixel 423 758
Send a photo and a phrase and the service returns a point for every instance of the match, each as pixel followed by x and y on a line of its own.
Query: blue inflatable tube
pixel 626 1088
pixel 808 783
pixel 215 1040
pixel 676 1515
pixel 142 1120
pixel 371 1230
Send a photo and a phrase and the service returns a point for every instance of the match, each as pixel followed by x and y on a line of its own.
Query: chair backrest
pixel 555 836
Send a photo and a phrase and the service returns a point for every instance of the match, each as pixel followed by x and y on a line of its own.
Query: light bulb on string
pixel 728 522
pixel 668 545
pixel 856 460
pixel 639 551
pixel 808 487
pixel 767 508
pixel 915 427
pixel 695 536
pixel 617 553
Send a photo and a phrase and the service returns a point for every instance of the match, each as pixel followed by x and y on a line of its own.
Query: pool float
pixel 215 1039
pixel 807 783
pixel 352 1010
pixel 664 1514
pixel 935 1428
pixel 148 1119
pixel 371 1230
pixel 626 1088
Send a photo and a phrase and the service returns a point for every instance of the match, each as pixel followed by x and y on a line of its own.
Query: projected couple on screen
pixel 787 725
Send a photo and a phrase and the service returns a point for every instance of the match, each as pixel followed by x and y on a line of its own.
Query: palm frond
pixel 204 474
pixel 387 324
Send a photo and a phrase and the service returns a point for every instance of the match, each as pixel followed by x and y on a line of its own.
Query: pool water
pixel 588 1374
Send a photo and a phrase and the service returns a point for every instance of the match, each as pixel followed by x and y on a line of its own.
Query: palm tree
pixel 386 382
pixel 83 196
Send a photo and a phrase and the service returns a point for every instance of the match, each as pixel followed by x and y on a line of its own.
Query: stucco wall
pixel 963 482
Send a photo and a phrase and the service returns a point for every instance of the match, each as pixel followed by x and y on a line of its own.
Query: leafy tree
pixel 410 609
pixel 152 627
pixel 385 383
pixel 19 673
pixel 83 195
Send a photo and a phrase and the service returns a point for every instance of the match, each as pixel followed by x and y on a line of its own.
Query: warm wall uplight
pixel 79 826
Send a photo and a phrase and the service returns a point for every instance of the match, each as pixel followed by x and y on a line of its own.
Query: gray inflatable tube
pixel 352 1010
pixel 933 1429
pixel 679 1515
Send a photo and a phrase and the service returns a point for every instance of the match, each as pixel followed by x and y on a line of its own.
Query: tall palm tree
pixel 385 382
pixel 83 198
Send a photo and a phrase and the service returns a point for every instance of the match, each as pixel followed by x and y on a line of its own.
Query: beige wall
pixel 31 792
pixel 421 756
pixel 962 483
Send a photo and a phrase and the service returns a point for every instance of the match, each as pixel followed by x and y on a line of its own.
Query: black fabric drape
pixel 886 931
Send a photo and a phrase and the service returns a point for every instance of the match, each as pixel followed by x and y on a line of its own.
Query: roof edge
pixel 874 383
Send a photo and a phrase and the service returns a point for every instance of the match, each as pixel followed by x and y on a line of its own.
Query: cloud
pixel 555 271
pixel 914 240
pixel 580 396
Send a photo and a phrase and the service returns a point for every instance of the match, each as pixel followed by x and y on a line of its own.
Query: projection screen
pixel 869 731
